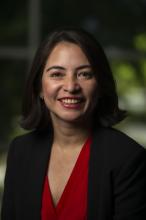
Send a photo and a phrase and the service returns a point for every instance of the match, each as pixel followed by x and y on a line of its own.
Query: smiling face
pixel 68 84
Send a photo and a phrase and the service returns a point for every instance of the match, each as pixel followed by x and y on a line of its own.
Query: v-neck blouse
pixel 72 204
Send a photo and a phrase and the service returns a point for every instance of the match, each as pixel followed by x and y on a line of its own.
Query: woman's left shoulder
pixel 119 139
pixel 117 147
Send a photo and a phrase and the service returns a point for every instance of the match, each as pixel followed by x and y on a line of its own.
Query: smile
pixel 71 101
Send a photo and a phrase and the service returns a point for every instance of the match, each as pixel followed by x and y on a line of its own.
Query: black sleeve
pixel 130 188
pixel 7 211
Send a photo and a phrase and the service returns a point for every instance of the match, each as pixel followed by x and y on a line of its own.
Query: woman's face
pixel 68 84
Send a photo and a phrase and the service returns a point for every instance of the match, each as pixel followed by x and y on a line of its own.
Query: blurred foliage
pixel 143 66
pixel 140 42
pixel 118 24
pixel 125 76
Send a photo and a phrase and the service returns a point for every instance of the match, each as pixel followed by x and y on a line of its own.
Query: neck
pixel 70 135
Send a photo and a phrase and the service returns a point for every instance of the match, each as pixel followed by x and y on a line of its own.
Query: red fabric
pixel 73 202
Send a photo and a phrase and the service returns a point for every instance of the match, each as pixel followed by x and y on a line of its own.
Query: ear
pixel 41 95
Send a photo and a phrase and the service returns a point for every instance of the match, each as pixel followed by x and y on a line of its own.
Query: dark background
pixel 120 26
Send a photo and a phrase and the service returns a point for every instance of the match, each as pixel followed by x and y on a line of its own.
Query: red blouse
pixel 73 202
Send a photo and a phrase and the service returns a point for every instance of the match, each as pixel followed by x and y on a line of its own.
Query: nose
pixel 71 85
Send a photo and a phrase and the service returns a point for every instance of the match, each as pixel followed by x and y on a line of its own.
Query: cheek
pixel 92 94
pixel 48 88
pixel 92 90
pixel 45 88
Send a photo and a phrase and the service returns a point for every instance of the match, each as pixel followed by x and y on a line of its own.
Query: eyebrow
pixel 62 68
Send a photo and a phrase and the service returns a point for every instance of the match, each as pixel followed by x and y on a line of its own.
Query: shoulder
pixel 30 138
pixel 118 147
pixel 20 145
pixel 27 144
pixel 22 141
pixel 117 139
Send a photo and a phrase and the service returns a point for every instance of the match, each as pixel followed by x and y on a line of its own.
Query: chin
pixel 75 119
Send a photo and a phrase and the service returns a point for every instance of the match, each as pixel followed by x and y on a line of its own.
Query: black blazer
pixel 116 183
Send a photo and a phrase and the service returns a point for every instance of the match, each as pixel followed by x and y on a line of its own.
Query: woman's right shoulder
pixel 25 143
pixel 23 139
pixel 19 144
pixel 29 137
pixel 28 142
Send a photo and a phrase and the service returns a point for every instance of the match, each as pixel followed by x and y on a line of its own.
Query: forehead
pixel 66 52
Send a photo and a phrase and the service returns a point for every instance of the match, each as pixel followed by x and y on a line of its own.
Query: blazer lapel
pixel 95 172
pixel 38 170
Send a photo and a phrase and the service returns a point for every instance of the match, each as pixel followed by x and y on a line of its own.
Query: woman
pixel 73 165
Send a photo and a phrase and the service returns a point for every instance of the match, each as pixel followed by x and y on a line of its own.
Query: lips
pixel 71 102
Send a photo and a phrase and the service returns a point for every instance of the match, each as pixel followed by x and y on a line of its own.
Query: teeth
pixel 71 101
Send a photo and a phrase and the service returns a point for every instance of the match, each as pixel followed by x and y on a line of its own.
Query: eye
pixel 56 75
pixel 85 75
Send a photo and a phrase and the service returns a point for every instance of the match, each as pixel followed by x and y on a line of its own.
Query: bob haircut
pixel 35 114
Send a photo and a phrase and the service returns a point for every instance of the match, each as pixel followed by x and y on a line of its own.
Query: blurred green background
pixel 120 26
